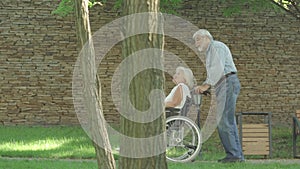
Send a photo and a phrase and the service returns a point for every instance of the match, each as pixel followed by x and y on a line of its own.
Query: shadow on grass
pixel 72 142
pixel 45 142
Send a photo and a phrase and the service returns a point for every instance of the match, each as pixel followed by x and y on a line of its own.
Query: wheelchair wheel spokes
pixel 183 139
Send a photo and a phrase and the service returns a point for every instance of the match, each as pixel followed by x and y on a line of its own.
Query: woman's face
pixel 178 77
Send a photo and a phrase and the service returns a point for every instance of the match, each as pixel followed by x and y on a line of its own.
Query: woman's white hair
pixel 203 32
pixel 188 76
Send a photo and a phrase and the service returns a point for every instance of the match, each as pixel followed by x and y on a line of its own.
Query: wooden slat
pixel 256 144
pixel 254 126
pixel 256 139
pixel 255 135
pixel 256 130
pixel 256 152
pixel 255 149
pixel 298 114
pixel 265 139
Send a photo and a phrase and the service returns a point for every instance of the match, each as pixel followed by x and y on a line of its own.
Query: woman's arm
pixel 176 100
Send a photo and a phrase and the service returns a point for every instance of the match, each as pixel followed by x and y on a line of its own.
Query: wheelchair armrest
pixel 171 111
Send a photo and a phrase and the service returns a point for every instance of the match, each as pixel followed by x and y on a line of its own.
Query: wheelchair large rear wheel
pixel 183 139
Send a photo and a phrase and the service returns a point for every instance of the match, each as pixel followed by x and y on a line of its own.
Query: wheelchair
pixel 183 135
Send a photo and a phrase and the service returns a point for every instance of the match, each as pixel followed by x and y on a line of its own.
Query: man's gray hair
pixel 203 32
pixel 188 76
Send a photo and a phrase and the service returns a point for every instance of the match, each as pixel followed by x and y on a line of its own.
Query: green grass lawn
pixel 58 144
pixel 58 164
pixel 45 142
pixel 46 164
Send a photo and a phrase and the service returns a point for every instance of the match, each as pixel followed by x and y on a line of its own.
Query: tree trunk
pixel 92 89
pixel 137 152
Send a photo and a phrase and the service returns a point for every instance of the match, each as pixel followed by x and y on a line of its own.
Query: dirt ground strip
pixel 266 161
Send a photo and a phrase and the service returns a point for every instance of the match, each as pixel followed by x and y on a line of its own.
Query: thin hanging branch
pixel 294 14
pixel 295 4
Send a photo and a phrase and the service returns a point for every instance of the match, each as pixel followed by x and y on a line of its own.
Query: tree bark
pixel 141 86
pixel 92 89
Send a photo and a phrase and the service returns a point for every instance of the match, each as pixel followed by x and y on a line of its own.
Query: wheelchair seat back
pixel 171 111
pixel 186 107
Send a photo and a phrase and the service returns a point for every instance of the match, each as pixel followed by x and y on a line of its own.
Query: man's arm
pixel 202 88
pixel 215 64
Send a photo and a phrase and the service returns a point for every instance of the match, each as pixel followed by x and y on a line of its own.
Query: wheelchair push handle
pixel 206 92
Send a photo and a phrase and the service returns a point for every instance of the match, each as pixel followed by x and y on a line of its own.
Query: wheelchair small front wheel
pixel 183 139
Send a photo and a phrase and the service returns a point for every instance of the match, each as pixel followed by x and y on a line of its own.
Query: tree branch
pixel 286 10
pixel 295 6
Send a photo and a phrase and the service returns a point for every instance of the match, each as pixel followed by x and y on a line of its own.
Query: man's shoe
pixel 221 160
pixel 230 160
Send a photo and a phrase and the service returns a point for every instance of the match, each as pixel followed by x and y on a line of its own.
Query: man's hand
pixel 202 88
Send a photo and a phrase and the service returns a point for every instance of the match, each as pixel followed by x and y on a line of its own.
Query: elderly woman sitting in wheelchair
pixel 184 80
pixel 183 135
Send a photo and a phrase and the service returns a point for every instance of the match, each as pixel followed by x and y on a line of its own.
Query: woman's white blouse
pixel 185 93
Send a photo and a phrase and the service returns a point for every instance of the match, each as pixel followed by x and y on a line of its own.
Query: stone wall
pixel 37 55
pixel 38 52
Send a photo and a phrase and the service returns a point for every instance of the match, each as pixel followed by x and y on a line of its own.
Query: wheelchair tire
pixel 183 139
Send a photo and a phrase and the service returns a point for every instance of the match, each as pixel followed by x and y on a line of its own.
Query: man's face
pixel 201 43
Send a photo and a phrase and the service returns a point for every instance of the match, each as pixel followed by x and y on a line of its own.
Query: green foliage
pixel 64 8
pixel 67 6
pixel 235 7
pixel 118 5
pixel 170 6
pixel 287 4
pixel 95 2
pixel 166 6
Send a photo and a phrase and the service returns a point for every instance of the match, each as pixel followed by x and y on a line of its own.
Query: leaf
pixel 64 8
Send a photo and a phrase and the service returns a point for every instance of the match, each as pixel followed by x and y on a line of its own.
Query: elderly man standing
pixel 221 71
